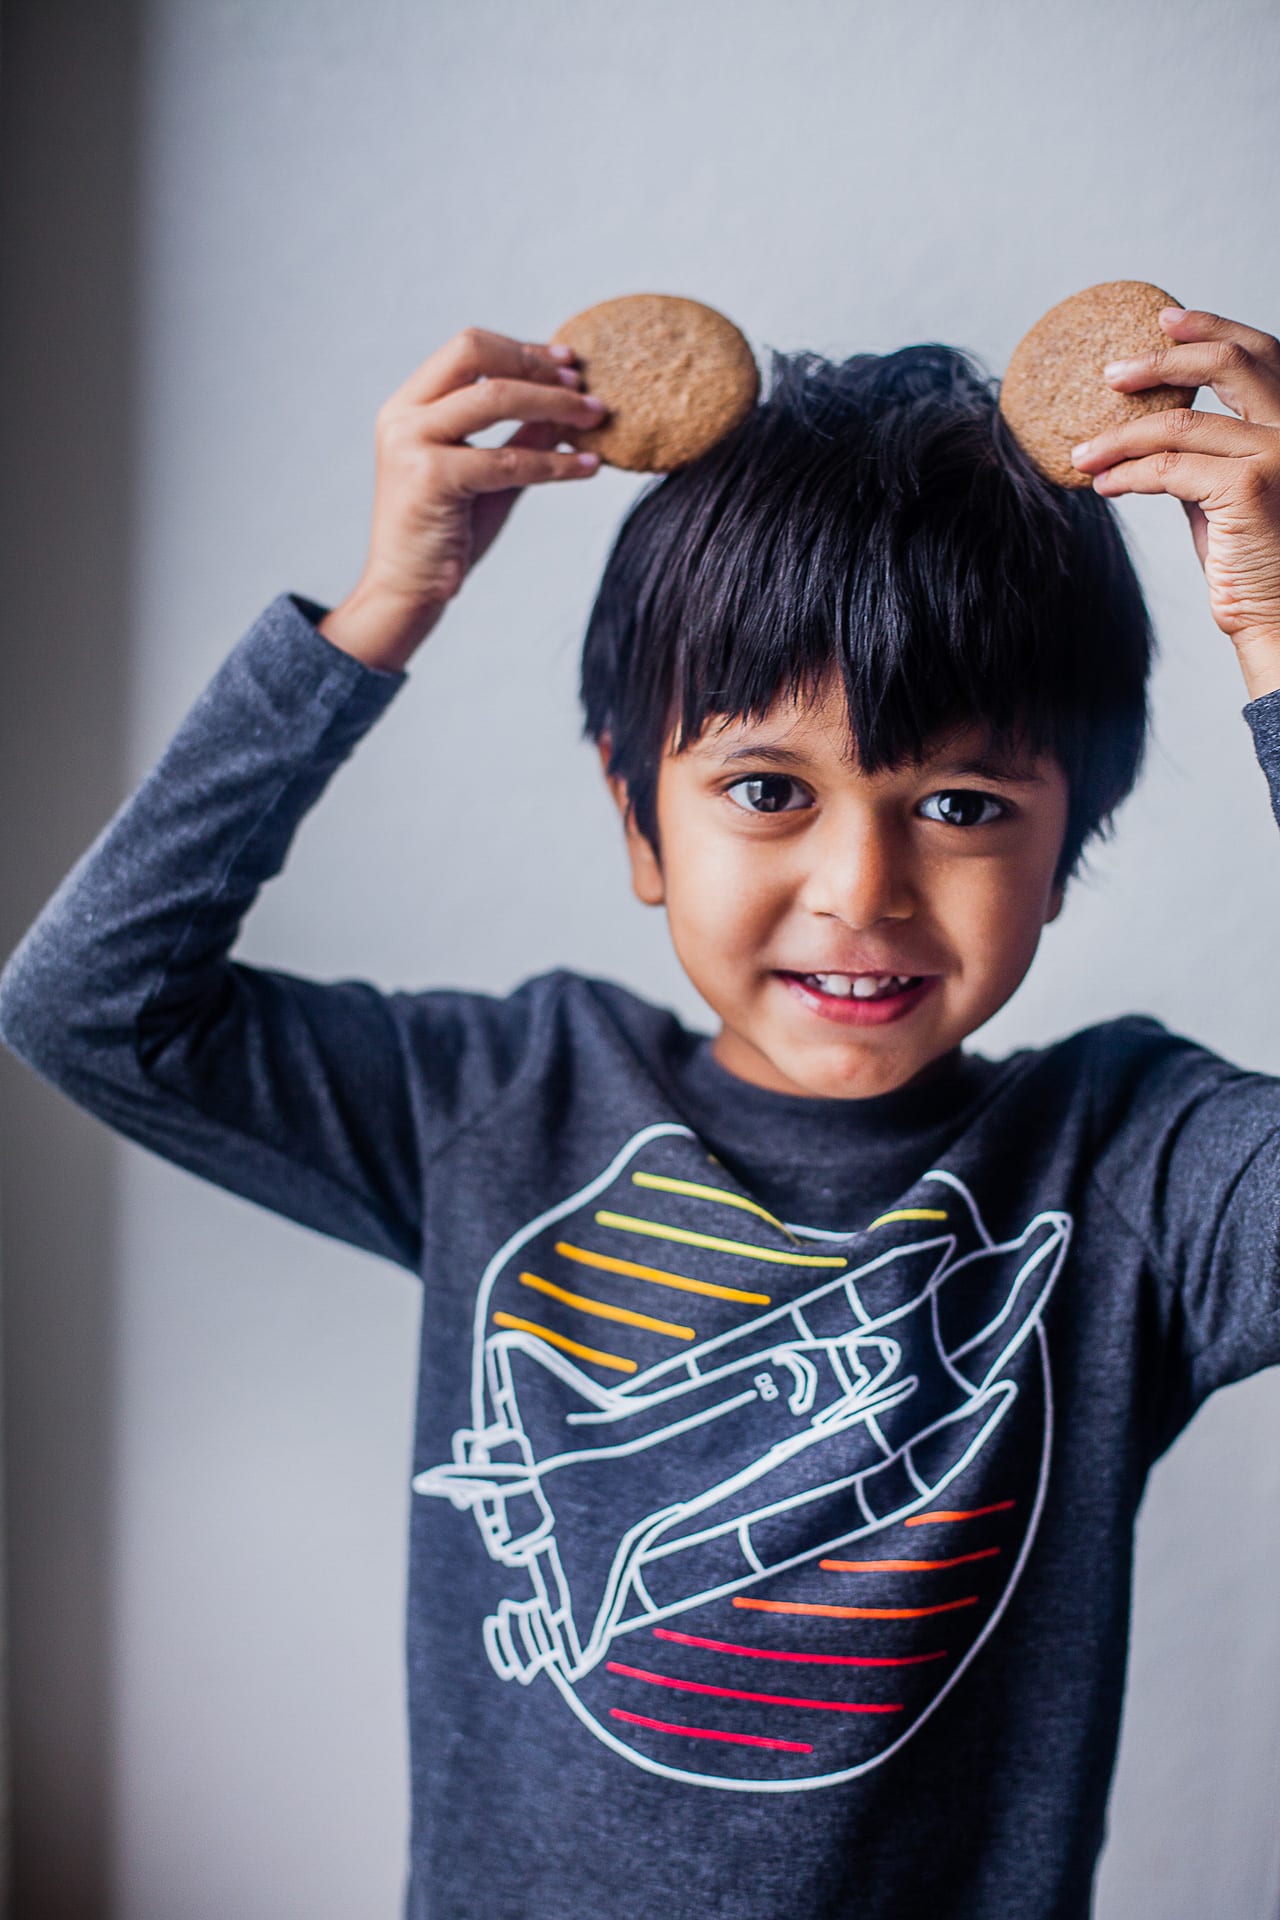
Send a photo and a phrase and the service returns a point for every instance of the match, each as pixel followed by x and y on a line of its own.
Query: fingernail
pixel 1172 313
pixel 588 461
pixel 1078 453
pixel 590 400
pixel 1115 369
pixel 561 353
pixel 568 377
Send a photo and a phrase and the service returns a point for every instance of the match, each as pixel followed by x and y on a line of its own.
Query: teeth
pixel 858 986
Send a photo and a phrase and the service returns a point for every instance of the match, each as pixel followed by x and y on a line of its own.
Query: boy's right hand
pixel 439 502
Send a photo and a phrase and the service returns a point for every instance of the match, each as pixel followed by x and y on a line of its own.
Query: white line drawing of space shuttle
pixel 814 1425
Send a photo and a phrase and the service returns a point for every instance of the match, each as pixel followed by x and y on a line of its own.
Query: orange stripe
pixel 602 1310
pixel 608 1263
pixel 904 1566
pixel 614 1360
pixel 972 1513
pixel 853 1613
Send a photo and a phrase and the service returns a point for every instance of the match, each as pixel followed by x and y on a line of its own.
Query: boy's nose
pixel 861 876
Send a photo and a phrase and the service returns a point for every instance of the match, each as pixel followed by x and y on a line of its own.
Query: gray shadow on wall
pixel 69 86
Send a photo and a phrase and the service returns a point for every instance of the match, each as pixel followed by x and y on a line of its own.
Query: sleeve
pixel 291 1092
pixel 1191 1162
pixel 1263 716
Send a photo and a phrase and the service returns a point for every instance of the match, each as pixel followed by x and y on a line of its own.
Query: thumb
pixel 1199 528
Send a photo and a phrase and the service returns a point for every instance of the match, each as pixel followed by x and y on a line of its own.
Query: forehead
pixel 814 731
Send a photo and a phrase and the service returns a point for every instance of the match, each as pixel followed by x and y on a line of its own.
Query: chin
pixel 865 1082
pixel 845 1078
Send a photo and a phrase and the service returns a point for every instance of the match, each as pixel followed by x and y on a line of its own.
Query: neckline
pixel 811 1122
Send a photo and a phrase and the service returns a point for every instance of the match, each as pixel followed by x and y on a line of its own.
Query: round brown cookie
pixel 1054 394
pixel 676 377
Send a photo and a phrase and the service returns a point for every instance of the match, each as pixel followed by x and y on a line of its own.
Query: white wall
pixel 327 192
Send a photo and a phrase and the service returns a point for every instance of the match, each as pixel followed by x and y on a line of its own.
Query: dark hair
pixel 875 516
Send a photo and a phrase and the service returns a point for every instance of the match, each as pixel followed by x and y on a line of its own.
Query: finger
pixel 474 352
pixel 477 470
pixel 1237 375
pixel 1195 323
pixel 1176 428
pixel 472 409
pixel 541 434
pixel 490 511
pixel 1202 478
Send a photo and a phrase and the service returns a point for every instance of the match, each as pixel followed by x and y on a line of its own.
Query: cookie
pixel 1054 394
pixel 676 377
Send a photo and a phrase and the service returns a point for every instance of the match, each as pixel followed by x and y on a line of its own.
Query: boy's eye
pixel 963 807
pixel 768 793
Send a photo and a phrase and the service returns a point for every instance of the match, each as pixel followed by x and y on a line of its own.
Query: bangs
pixel 873 522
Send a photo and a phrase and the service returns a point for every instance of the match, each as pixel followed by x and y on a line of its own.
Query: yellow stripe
pixel 630 1224
pixel 613 1360
pixel 659 1276
pixel 908 1213
pixel 665 1184
pixel 603 1311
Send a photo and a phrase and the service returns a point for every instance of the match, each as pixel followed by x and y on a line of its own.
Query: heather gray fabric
pixel 776 1460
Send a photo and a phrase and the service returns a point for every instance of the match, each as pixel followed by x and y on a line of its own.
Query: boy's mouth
pixel 859 986
pixel 863 999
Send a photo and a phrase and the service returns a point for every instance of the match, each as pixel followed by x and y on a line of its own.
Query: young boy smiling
pixel 786 1394
pixel 849 929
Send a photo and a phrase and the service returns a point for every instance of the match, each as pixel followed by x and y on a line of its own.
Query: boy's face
pixel 788 874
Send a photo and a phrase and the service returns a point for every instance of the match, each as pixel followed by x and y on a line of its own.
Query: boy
pixel 786 1395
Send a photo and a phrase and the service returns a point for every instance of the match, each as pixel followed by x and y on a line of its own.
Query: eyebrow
pixel 775 756
pixel 988 766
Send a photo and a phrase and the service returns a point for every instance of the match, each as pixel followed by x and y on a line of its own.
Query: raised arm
pixel 438 503
pixel 1225 471
pixel 1195 1166
pixel 292 1092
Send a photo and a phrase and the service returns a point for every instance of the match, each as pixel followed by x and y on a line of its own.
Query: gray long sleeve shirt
pixel 776 1459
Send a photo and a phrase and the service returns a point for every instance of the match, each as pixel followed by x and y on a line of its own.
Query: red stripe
pixel 709 1733
pixel 736 1693
pixel 816 1659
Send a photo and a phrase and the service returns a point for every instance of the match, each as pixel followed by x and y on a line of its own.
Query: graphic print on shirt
pixel 763 1491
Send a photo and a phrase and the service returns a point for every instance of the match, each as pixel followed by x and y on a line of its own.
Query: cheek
pixel 998 920
pixel 719 892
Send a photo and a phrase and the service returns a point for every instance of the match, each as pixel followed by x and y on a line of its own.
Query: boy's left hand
pixel 1225 471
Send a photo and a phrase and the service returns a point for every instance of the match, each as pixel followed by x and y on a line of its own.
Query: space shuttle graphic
pixel 878 1369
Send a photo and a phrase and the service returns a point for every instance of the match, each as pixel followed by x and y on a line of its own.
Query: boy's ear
pixel 646 873
pixel 1055 903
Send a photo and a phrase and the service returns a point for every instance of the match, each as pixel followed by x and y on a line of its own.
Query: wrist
pixel 1259 658
pixel 379 630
